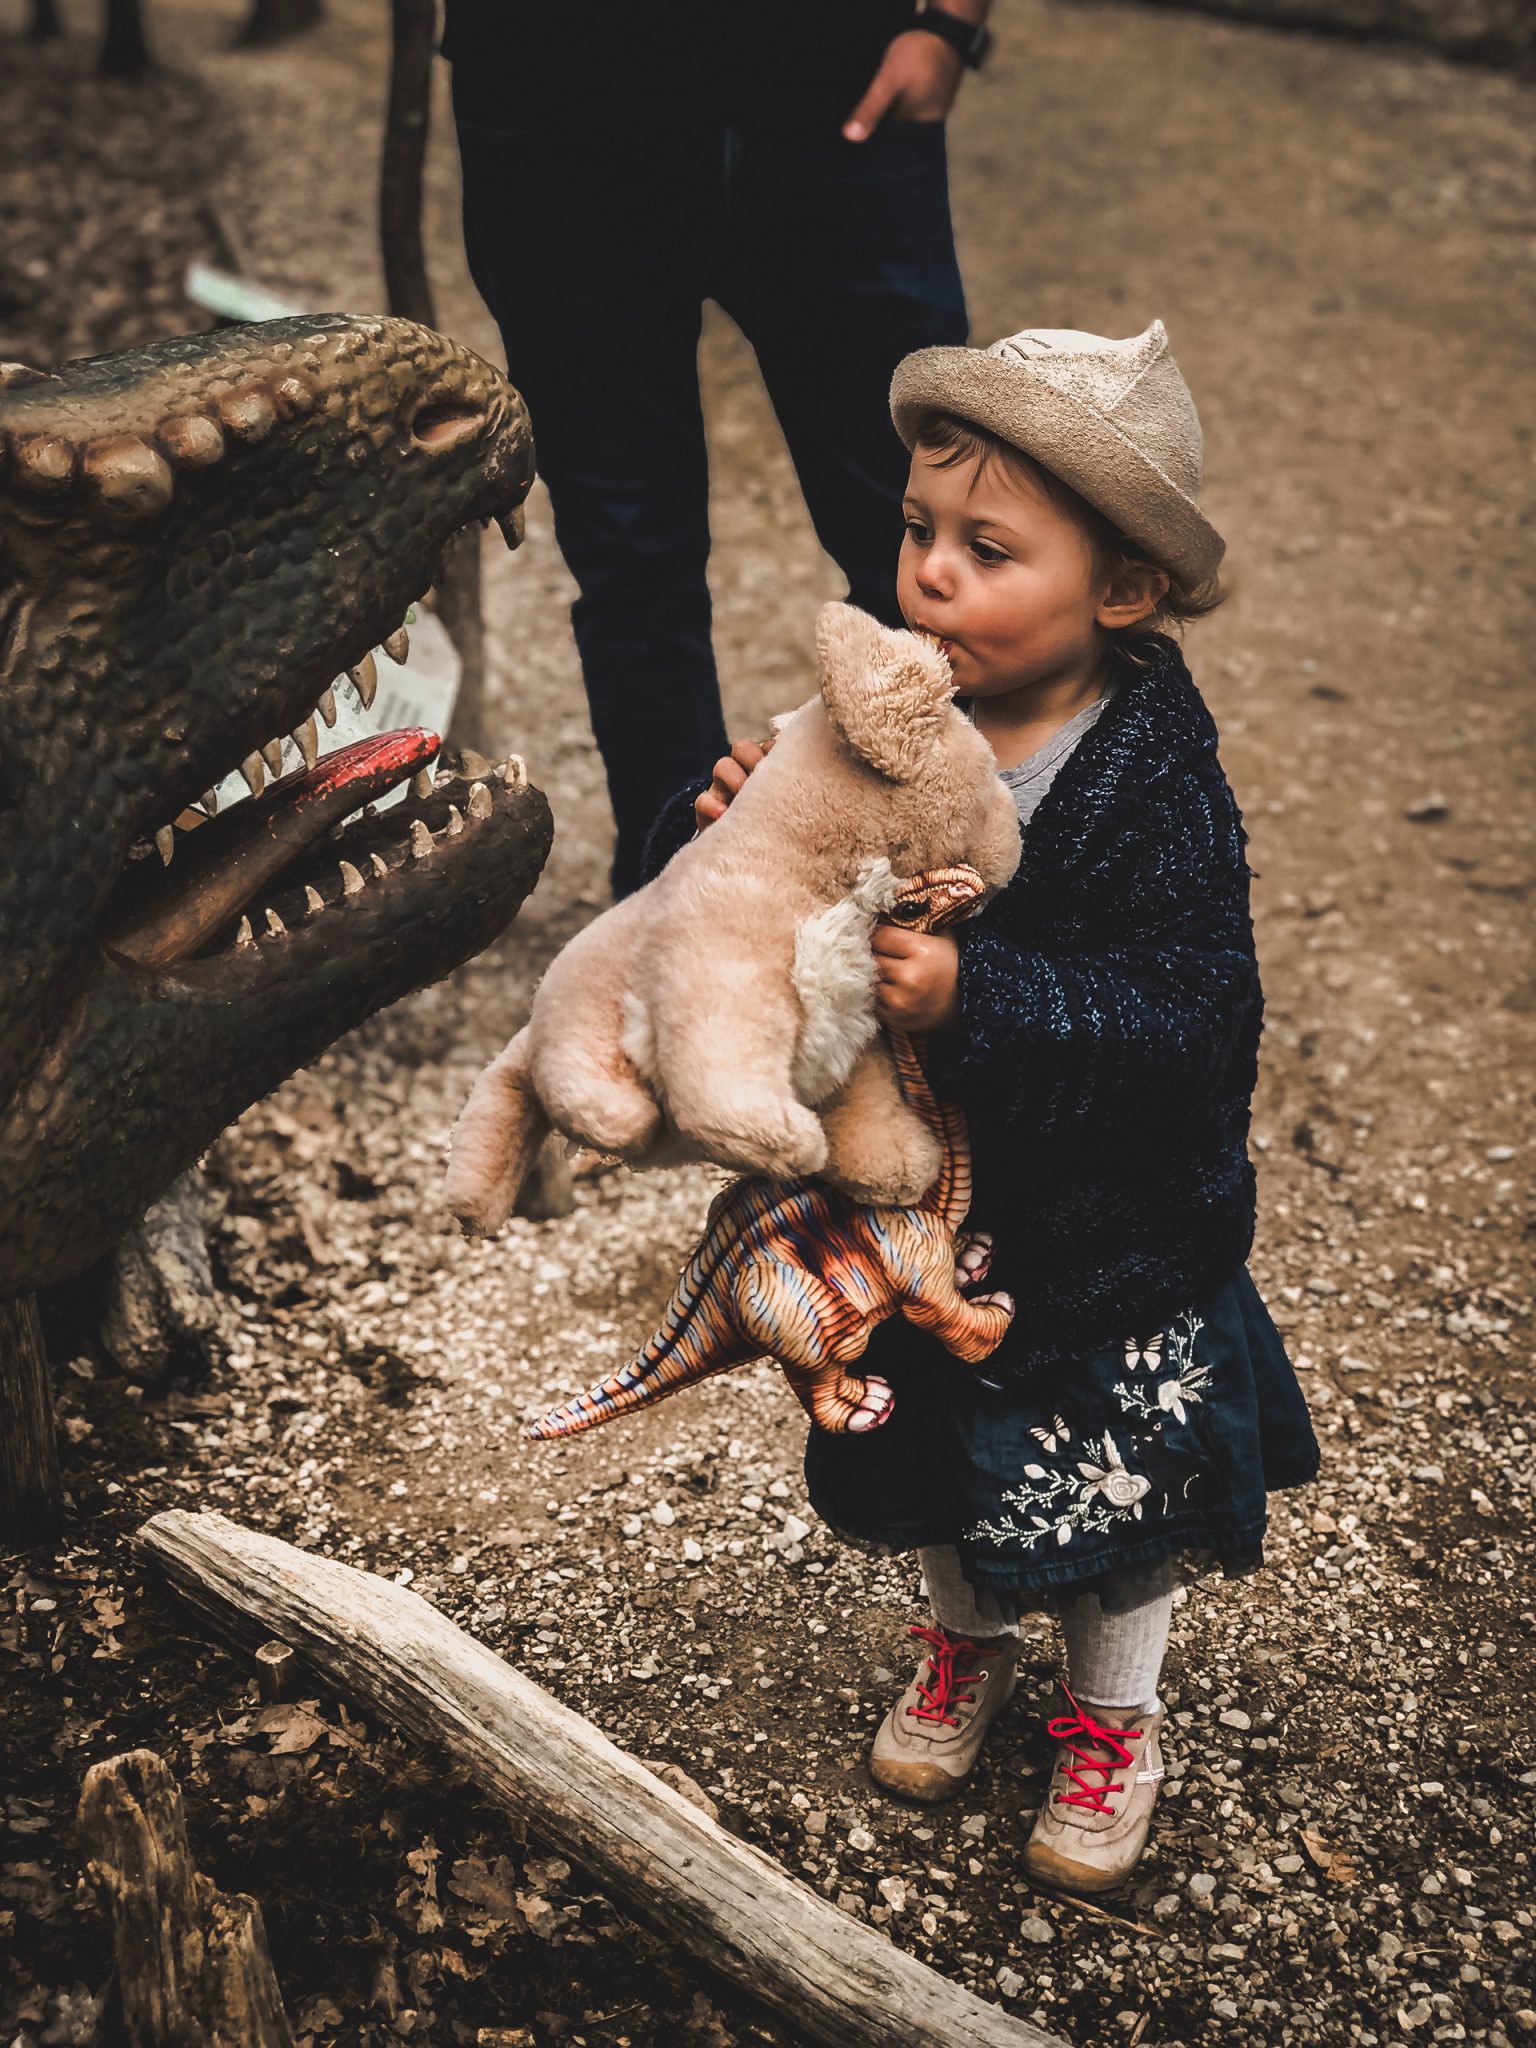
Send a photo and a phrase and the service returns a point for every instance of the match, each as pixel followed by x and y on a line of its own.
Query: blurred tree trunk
pixel 31 1497
pixel 44 24
pixel 124 46
pixel 409 293
pixel 274 21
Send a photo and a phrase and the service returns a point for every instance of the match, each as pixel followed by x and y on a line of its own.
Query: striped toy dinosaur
pixel 796 1271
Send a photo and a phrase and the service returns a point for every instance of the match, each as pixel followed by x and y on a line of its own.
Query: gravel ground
pixel 1340 240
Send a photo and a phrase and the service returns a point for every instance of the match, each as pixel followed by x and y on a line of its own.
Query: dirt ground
pixel 1340 240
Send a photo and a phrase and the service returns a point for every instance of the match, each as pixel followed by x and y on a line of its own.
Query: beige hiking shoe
pixel 1098 1805
pixel 928 1743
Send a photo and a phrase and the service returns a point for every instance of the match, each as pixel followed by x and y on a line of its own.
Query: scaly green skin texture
pixel 195 537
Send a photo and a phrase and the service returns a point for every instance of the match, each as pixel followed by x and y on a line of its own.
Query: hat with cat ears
pixel 1114 419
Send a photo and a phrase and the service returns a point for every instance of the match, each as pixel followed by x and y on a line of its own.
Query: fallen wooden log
pixel 834 1979
pixel 192 1963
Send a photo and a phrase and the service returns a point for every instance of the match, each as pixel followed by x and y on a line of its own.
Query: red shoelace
pixel 944 1692
pixel 1080 1725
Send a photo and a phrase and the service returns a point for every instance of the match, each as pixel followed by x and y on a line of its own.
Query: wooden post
pixel 274 21
pixel 124 45
pixel 31 1496
pixel 192 1962
pixel 835 1980
pixel 408 292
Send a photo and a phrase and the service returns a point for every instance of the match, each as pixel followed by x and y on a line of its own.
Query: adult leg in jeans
pixel 842 261
pixel 588 256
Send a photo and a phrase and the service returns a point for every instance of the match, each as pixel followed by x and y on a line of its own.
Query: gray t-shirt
pixel 1029 781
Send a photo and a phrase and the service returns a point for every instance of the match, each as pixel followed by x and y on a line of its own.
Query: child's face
pixel 1006 581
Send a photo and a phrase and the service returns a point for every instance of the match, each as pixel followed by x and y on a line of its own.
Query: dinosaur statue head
pixel 196 537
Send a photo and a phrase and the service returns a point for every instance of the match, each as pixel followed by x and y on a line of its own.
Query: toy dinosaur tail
pixel 695 1339
pixel 495 1141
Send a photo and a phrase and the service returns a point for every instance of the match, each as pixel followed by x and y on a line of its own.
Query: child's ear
pixel 1135 590
pixel 885 691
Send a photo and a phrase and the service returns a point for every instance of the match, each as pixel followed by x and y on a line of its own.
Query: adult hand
pixel 917 979
pixel 917 81
pixel 727 778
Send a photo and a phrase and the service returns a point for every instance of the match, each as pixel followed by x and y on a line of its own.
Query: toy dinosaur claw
pixel 973 1258
pixel 875 1407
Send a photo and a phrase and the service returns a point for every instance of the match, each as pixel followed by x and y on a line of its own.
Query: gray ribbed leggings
pixel 1113 1657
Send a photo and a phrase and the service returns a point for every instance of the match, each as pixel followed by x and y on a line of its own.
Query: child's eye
pixel 917 529
pixel 986 554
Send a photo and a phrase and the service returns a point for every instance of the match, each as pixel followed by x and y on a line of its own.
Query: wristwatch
pixel 971 40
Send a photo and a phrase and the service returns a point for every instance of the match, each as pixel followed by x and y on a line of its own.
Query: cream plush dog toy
pixel 726 1010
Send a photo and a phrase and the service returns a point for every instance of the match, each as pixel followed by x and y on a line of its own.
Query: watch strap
pixel 970 40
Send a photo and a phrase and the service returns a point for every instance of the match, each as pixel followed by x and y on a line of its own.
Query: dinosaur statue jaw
pixel 379 882
pixel 202 1038
pixel 160 915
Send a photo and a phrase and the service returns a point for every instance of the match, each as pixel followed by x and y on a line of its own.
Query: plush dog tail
pixel 495 1141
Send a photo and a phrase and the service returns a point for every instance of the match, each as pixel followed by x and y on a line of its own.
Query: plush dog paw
pixel 897 1179
pixel 766 1134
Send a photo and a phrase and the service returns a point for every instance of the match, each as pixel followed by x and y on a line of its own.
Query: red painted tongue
pixel 361 771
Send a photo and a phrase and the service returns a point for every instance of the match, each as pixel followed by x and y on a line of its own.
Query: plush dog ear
pixel 885 691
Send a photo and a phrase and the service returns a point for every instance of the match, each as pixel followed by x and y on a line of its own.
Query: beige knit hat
pixel 1114 419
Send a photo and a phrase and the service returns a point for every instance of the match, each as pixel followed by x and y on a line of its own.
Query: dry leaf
pixel 490 1888
pixel 293 1729
pixel 1337 1865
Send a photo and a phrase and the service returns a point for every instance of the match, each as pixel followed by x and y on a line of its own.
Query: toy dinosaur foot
pixel 842 1405
pixel 973 1258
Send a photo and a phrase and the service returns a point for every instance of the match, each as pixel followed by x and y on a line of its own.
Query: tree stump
pixel 192 1962
pixel 31 1497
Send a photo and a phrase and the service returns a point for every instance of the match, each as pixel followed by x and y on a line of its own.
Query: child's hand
pixel 730 773
pixel 917 985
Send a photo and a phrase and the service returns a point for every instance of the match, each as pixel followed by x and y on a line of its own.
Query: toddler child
pixel 1099 1023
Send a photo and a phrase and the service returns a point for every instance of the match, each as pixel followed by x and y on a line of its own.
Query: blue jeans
pixel 595 253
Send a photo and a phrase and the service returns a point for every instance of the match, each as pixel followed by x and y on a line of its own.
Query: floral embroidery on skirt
pixel 1090 1485
pixel 1147 1448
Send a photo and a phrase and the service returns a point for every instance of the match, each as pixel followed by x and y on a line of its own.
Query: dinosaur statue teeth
pixel 512 527
pixel 473 765
pixel 272 754
pixel 307 740
pixel 255 775
pixel 513 771
pixel 327 705
pixel 365 680
pixel 422 783
pixel 211 802
pixel 379 865
pixel 398 645
pixel 165 843
pixel 244 936
pixel 480 805
pixel 455 821
pixel 421 840
pixel 351 880
pixel 314 901
pixel 275 924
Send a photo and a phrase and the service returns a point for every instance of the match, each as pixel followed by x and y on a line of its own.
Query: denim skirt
pixel 1160 1445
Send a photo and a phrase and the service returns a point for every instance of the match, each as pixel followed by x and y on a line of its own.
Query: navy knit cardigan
pixel 1107 1045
